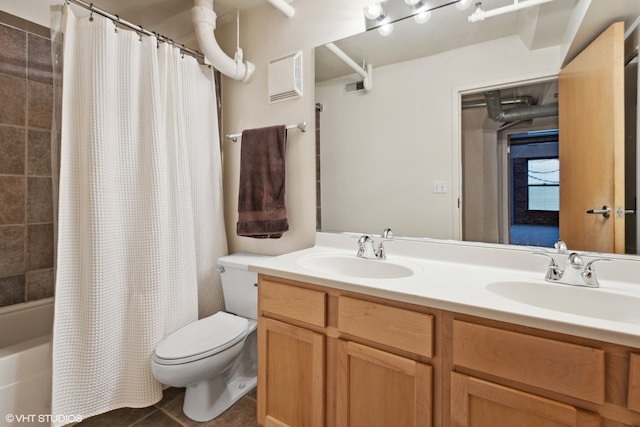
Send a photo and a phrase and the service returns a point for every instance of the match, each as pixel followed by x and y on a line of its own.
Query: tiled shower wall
pixel 26 213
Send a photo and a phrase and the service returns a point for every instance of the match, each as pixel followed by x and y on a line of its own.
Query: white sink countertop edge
pixel 460 285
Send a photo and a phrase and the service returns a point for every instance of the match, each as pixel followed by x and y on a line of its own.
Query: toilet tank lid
pixel 241 260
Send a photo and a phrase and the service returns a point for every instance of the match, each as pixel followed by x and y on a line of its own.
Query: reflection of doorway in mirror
pixel 496 206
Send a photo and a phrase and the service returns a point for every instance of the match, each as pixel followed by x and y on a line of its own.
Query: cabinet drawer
pixel 634 383
pixel 565 368
pixel 305 305
pixel 392 326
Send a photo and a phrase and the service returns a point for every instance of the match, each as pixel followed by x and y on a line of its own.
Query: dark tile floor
pixel 168 413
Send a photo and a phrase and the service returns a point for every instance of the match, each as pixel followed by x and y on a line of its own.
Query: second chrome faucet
pixel 575 273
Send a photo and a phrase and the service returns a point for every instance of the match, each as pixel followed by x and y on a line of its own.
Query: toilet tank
pixel 239 285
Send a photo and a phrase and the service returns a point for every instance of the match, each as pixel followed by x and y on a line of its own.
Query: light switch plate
pixel 439 187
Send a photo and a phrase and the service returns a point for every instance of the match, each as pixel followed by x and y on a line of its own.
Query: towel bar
pixel 302 126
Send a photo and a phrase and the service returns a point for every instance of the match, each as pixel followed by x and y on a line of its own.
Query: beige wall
pixel 267 34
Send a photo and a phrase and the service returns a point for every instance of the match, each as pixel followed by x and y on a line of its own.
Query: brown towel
pixel 261 207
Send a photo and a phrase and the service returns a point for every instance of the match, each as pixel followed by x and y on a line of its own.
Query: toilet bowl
pixel 215 358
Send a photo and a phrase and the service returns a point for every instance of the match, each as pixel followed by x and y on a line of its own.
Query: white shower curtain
pixel 140 221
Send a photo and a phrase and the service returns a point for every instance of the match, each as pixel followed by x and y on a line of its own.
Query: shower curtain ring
pixel 91 14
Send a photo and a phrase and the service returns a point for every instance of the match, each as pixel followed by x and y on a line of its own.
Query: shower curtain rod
pixel 302 126
pixel 137 28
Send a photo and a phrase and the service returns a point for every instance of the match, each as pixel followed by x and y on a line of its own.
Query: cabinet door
pixel 291 374
pixel 376 388
pixel 478 403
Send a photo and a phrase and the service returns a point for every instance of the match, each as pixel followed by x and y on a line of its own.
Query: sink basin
pixel 589 302
pixel 352 266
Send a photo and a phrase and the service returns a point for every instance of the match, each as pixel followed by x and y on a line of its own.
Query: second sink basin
pixel 352 266
pixel 596 303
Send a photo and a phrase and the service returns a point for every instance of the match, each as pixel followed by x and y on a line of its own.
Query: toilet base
pixel 198 398
pixel 206 400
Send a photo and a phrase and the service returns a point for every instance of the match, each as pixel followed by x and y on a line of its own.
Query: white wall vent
pixel 285 77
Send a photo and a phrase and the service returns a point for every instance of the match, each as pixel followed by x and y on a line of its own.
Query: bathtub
pixel 25 363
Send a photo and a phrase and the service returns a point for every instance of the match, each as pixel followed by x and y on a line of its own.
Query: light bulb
pixel 385 30
pixel 373 11
pixel 463 4
pixel 412 2
pixel 422 17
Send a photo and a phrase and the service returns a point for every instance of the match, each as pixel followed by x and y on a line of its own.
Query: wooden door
pixel 380 389
pixel 478 403
pixel 591 119
pixel 291 374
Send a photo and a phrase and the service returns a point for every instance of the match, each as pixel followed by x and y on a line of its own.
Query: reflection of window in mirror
pixel 543 184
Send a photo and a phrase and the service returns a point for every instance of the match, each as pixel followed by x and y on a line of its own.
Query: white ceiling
pixel 538 27
pixel 448 28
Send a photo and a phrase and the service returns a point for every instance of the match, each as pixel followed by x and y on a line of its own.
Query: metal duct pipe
pixel 521 100
pixel 204 21
pixel 496 113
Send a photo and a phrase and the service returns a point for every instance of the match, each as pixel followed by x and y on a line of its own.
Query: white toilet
pixel 215 358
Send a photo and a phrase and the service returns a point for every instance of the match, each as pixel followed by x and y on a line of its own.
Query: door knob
pixel 605 211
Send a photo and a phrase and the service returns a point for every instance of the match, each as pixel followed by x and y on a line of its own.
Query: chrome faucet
pixel 367 249
pixel 575 273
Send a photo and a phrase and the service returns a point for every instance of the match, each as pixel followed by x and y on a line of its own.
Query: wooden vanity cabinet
pixel 362 361
pixel 330 358
pixel 291 358
pixel 379 388
pixel 530 377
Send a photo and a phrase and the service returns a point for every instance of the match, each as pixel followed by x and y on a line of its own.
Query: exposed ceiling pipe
pixel 204 21
pixel 283 7
pixel 367 74
pixel 496 113
pixel 521 100
pixel 481 15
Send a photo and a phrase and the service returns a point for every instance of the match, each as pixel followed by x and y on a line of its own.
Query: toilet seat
pixel 201 339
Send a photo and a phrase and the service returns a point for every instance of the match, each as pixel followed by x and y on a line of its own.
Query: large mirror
pixel 417 151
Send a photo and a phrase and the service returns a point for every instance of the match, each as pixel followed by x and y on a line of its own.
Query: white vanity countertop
pixel 454 276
